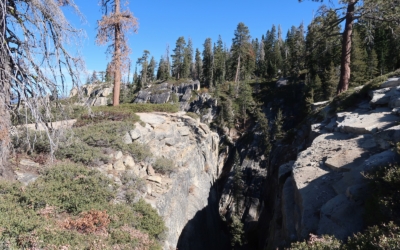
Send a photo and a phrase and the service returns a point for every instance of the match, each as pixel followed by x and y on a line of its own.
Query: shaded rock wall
pixel 322 190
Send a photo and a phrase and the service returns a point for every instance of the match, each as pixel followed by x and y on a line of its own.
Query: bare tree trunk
pixel 346 49
pixel 237 70
pixel 4 90
pixel 117 57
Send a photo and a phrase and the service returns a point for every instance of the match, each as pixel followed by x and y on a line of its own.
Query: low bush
pixel 318 243
pixel 163 165
pixel 71 188
pixel 32 142
pixel 71 206
pixel 139 108
pixel 193 115
pixel 386 236
pixel 78 151
pixel 97 117
pixel 383 204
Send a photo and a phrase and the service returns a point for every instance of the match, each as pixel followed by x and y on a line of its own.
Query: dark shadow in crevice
pixel 205 230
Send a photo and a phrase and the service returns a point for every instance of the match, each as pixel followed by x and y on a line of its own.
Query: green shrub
pixel 163 165
pixel 71 188
pixel 383 204
pixel 386 236
pixel 148 220
pixel 97 117
pixel 140 108
pixel 65 207
pixel 193 115
pixel 318 243
pixel 32 142
pixel 237 232
pixel 78 151
pixel 138 151
pixel 174 98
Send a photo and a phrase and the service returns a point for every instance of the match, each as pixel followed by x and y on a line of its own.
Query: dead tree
pixel 113 27
pixel 372 11
pixel 34 61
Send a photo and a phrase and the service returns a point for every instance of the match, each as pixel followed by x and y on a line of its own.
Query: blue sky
pixel 161 22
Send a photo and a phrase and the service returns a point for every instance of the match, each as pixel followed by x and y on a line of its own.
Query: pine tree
pixel 271 70
pixel 151 69
pixel 270 40
pixel 145 64
pixel 241 49
pixel 245 100
pixel 264 129
pixel 219 63
pixel 188 59
pixel 109 73
pixel 260 62
pixel 198 66
pixel 178 58
pixel 358 63
pixel 102 75
pixel 317 87
pixel 331 80
pixel 309 100
pixel 278 125
pixel 208 66
pixel 161 68
pixel 94 78
pixel 372 64
pixel 237 182
pixel 227 113
pixel 237 231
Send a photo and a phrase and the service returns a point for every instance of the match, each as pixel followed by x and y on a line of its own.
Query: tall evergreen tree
pixel 219 62
pixel 237 182
pixel 245 100
pixel 260 61
pixel 151 69
pixel 270 40
pixel 188 59
pixel 241 49
pixel 178 58
pixel 208 66
pixel 372 64
pixel 278 125
pixel 331 79
pixel 144 63
pixel 94 78
pixel 198 66
pixel 358 63
pixel 370 11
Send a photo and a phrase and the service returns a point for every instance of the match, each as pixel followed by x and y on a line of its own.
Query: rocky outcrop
pixel 186 94
pixel 193 147
pixel 162 93
pixel 97 94
pixel 323 191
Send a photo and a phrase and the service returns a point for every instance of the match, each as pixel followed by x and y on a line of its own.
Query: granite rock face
pixel 162 93
pixel 185 94
pixel 323 191
pixel 193 147
pixel 96 94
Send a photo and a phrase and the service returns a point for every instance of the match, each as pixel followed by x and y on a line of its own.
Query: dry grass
pixel 93 221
